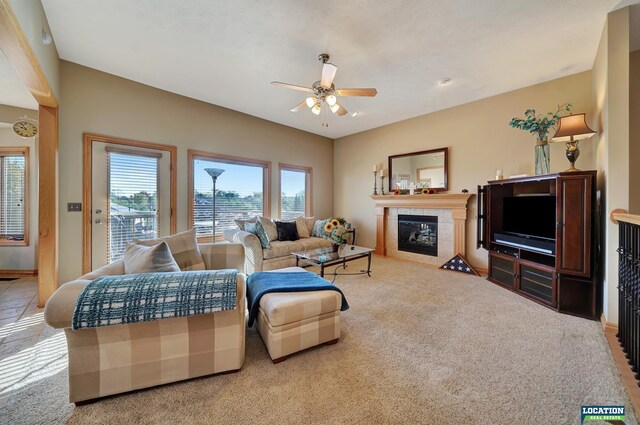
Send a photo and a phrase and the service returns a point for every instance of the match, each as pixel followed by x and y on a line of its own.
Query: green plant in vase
pixel 541 125
pixel 336 232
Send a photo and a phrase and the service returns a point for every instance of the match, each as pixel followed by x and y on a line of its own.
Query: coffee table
pixel 326 257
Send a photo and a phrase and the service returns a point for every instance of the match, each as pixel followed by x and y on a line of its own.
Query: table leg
pixel 354 237
pixel 297 261
pixel 322 270
pixel 369 265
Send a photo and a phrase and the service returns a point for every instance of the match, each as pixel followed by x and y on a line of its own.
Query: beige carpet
pixel 419 346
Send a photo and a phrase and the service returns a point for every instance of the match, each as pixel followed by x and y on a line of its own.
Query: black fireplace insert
pixel 418 234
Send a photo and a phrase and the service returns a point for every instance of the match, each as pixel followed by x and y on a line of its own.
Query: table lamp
pixel 572 129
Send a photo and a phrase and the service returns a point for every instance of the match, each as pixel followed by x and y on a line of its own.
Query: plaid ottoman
pixel 294 321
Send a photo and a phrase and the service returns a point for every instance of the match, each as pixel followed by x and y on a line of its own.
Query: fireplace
pixel 418 234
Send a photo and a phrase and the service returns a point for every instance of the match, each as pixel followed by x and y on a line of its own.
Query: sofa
pixel 115 359
pixel 278 257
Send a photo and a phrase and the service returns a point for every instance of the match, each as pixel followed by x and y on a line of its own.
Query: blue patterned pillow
pixel 258 230
pixel 318 228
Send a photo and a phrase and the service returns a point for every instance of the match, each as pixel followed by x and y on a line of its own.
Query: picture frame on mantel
pixel 430 164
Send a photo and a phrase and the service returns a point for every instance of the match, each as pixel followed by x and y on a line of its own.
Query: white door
pixel 130 198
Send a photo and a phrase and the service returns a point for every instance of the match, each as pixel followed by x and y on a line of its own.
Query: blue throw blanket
pixel 114 300
pixel 262 283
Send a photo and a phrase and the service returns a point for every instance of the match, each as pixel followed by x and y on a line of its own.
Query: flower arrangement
pixel 336 231
pixel 539 124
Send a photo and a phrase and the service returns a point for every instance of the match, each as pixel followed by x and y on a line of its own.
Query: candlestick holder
pixel 382 185
pixel 375 181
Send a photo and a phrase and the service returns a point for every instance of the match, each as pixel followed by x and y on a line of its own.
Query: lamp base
pixel 573 152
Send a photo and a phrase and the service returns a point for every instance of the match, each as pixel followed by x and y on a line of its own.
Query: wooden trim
pixel 16 47
pixel 308 195
pixel 47 203
pixel 193 154
pixel 133 152
pixel 627 218
pixel 18 273
pixel 87 153
pixel 628 376
pixel 24 151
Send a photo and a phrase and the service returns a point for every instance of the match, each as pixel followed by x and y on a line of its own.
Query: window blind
pixel 133 200
pixel 12 193
pixel 293 196
pixel 239 194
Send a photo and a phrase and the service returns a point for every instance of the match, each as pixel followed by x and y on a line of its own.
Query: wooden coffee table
pixel 326 257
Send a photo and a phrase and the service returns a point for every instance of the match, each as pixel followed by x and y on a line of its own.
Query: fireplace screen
pixel 418 233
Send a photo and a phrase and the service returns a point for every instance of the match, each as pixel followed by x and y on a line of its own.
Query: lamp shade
pixel 214 172
pixel 572 128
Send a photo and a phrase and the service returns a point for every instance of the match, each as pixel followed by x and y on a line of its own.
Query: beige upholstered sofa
pixel 115 359
pixel 278 257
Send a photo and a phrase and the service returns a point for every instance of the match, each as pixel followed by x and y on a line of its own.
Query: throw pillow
pixel 287 231
pixel 269 227
pixel 301 227
pixel 149 259
pixel 258 230
pixel 318 228
pixel 310 222
pixel 184 248
pixel 241 222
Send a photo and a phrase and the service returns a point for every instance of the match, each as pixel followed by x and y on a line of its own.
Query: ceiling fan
pixel 324 91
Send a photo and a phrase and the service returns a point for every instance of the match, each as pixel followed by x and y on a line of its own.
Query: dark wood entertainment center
pixel 559 272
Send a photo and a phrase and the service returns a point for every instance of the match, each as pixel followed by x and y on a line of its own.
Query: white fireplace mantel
pixel 457 203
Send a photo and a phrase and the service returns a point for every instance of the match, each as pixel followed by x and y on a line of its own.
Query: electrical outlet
pixel 74 206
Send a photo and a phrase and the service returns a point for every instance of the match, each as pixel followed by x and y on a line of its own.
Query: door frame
pixel 87 153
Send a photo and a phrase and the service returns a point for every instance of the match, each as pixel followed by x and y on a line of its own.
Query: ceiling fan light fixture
pixel 331 100
pixel 443 81
pixel 334 108
pixel 316 109
pixel 311 101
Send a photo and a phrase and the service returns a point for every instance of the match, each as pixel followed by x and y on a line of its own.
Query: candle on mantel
pixel 383 173
pixel 375 168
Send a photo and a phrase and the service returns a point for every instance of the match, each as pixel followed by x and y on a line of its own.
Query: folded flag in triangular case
pixel 459 264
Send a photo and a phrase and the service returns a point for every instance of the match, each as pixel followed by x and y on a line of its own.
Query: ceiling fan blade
pixel 299 106
pixel 292 86
pixel 357 92
pixel 328 74
pixel 342 111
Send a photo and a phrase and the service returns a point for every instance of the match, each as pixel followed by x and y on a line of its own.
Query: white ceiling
pixel 226 52
pixel 13 92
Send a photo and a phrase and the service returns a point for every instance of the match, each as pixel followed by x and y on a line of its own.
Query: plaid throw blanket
pixel 114 300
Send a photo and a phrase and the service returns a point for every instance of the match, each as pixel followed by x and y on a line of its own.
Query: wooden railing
pixel 629 287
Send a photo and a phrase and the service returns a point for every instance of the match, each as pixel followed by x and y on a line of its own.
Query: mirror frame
pixel 446 166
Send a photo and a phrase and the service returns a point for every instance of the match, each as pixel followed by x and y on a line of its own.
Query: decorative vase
pixel 543 157
pixel 335 247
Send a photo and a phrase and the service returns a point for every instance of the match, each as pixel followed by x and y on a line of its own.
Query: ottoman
pixel 294 321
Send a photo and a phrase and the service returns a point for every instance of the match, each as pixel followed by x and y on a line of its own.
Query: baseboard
pixel 608 325
pixel 483 272
pixel 18 273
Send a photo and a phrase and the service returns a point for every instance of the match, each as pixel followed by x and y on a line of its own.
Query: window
pixel 14 195
pixel 295 191
pixel 242 191
pixel 133 199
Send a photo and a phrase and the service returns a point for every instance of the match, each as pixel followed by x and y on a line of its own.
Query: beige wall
pixel 611 107
pixel 634 131
pixel 92 101
pixel 32 19
pixel 22 257
pixel 479 140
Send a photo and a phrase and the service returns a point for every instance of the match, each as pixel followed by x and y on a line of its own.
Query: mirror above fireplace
pixel 426 169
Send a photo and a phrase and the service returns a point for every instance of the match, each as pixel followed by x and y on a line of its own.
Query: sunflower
pixel 328 227
pixel 335 222
pixel 425 191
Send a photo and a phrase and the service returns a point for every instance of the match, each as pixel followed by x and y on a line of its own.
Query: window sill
pixel 7 242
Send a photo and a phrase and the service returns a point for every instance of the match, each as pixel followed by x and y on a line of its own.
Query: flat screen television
pixel 530 216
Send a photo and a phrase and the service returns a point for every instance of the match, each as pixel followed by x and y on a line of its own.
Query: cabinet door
pixel 482 215
pixel 573 234
pixel 538 282
pixel 502 270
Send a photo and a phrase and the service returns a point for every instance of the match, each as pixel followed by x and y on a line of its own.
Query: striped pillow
pixel 184 248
